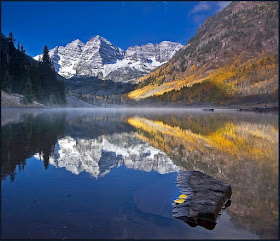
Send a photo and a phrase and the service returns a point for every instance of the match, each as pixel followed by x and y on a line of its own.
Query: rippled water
pixel 108 173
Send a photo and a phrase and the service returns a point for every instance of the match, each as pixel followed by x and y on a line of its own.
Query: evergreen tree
pixel 27 93
pixel 35 81
pixel 11 54
pixel 50 85
pixel 11 39
pixel 22 49
pixel 46 57
pixel 5 78
pixel 45 77
pixel 52 65
pixel 20 72
pixel 6 82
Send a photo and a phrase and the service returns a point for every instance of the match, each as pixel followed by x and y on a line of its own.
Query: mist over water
pixel 111 173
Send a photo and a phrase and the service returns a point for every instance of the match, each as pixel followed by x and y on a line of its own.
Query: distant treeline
pixel 23 75
pixel 97 91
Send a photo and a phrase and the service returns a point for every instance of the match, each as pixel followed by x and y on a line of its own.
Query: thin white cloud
pixel 200 11
pixel 223 4
pixel 201 7
pixel 207 6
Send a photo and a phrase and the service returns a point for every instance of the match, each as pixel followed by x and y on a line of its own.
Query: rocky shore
pixel 16 101
pixel 262 109
pixel 206 196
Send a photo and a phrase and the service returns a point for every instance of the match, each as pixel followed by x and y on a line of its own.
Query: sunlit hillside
pixel 232 57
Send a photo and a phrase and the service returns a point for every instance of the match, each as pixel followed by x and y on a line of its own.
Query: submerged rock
pixel 206 197
pixel 261 109
pixel 208 109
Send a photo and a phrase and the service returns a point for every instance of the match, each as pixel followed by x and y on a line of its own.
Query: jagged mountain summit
pixel 99 57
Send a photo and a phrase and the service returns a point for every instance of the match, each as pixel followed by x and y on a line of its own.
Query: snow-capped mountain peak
pixel 99 57
pixel 75 43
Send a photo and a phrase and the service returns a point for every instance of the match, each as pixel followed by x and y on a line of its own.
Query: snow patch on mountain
pixel 136 66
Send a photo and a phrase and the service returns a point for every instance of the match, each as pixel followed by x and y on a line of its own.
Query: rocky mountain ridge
pixel 99 57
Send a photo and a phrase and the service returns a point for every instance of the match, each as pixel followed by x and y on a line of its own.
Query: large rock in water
pixel 206 197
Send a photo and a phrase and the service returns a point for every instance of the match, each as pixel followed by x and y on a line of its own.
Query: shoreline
pixel 260 110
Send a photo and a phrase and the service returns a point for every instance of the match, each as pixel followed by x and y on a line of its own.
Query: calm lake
pixel 111 173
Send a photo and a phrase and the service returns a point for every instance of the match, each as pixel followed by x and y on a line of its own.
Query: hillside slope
pixel 233 57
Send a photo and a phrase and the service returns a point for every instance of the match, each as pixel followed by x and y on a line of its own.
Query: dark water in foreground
pixel 112 173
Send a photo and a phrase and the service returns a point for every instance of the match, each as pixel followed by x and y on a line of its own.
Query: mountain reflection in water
pixel 238 148
pixel 99 156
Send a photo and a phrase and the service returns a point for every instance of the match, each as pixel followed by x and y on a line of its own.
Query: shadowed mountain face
pixel 240 149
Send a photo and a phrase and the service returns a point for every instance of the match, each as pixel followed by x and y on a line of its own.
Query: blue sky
pixel 35 24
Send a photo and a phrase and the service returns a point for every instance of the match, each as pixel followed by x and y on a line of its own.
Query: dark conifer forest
pixel 23 75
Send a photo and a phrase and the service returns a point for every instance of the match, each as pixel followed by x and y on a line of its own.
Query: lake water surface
pixel 111 173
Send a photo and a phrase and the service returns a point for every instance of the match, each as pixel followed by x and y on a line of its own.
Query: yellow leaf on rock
pixel 183 196
pixel 179 200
